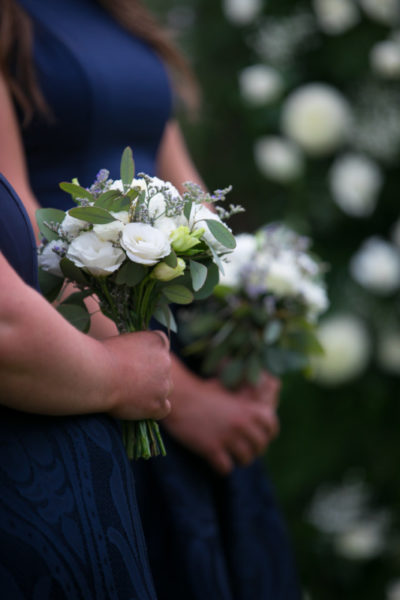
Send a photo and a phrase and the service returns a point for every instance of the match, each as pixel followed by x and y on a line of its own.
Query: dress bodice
pixel 106 90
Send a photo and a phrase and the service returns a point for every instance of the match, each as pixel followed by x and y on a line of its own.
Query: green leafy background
pixel 331 436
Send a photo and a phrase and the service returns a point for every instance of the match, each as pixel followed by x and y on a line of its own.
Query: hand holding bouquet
pixel 137 245
pixel 263 313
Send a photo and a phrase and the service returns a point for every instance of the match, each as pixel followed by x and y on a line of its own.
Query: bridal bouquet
pixel 137 245
pixel 263 313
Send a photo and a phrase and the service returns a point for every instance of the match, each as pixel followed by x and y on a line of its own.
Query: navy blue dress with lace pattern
pixel 108 89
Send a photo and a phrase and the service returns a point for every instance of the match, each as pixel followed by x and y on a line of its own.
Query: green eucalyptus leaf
pixel 165 317
pixel 127 168
pixel 198 272
pixel 131 273
pixel 232 373
pixel 76 191
pixel 92 214
pixel 221 233
pixel 210 282
pixel 49 215
pixel 107 199
pixel 72 272
pixel 178 294
pixel 187 209
pixel 272 331
pixel 171 260
pixel 253 369
pixel 77 315
pixel 50 285
pixel 281 360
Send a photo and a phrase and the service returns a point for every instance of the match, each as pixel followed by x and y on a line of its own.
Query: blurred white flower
pixel 260 84
pixel 317 117
pixel 283 275
pixel 315 297
pixel 393 590
pixel 278 158
pixel 385 59
pixel 337 508
pixel 376 266
pixel 384 11
pixel 365 540
pixel 336 16
pixel 388 351
pixel 241 12
pixel 50 256
pixel 355 183
pixel 347 348
pixel 239 258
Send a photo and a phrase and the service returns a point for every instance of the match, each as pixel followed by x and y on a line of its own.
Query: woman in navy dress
pixel 69 522
pixel 101 77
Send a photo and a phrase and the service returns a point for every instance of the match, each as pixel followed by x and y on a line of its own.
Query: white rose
pixel 283 277
pixel 314 296
pixel 260 84
pixel 355 182
pixel 317 117
pixel 336 16
pixel 385 59
pixel 50 256
pixel 136 183
pixel 388 351
pixel 96 256
pixel 384 11
pixel 71 227
pixel 144 244
pixel 376 266
pixel 365 540
pixel 110 232
pixel 278 159
pixel 197 217
pixel 168 224
pixel 347 349
pixel 238 259
pixel 241 12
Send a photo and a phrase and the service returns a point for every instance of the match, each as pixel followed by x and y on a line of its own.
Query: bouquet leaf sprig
pixel 137 245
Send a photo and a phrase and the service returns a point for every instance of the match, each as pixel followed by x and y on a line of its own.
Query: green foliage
pixel 92 214
pixel 127 168
pixel 46 216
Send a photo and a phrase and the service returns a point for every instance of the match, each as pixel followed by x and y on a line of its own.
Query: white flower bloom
pixel 71 227
pixel 376 266
pixel 315 297
pixel 336 16
pixel 388 351
pixel 385 59
pixel 364 541
pixel 384 11
pixel 49 258
pixel 283 276
pixel 99 258
pixel 278 159
pixel 197 218
pixel 111 231
pixel 241 12
pixel 136 183
pixel 144 244
pixel 355 182
pixel 260 84
pixel 347 348
pixel 238 259
pixel 393 590
pixel 317 117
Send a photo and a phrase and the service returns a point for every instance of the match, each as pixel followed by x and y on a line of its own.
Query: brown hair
pixel 16 39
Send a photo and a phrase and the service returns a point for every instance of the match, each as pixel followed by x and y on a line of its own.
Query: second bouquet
pixel 137 245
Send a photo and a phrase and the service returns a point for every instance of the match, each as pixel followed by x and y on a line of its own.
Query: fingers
pixel 221 461
pixel 163 337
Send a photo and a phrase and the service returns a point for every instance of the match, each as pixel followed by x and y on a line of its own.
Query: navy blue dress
pixel 221 538
pixel 69 522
